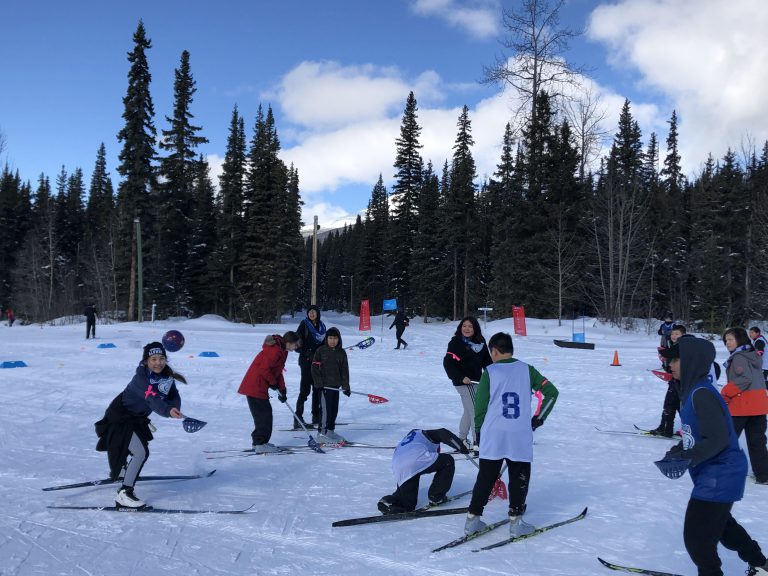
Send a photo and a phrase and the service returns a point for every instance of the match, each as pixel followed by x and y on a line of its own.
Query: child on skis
pixel 330 374
pixel 711 454
pixel 671 399
pixel 265 373
pixel 418 454
pixel 505 425
pixel 125 428
pixel 665 341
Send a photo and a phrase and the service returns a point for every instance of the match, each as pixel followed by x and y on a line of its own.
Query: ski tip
pixel 584 512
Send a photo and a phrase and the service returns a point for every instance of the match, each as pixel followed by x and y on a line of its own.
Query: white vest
pixel 506 431
pixel 414 454
pixel 765 351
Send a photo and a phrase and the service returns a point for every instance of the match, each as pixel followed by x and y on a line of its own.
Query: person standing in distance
pixel 400 323
pixel 90 320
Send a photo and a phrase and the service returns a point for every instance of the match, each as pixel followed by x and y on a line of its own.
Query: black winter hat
pixel 153 348
pixel 671 353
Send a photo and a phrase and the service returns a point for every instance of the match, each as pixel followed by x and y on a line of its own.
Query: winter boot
pixel 334 437
pixel 437 500
pixel 265 448
pixel 388 505
pixel 297 422
pixel 127 499
pixel 666 427
pixel 519 527
pixel 473 524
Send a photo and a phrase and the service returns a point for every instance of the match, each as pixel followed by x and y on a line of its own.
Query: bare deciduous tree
pixel 533 60
pixel 586 115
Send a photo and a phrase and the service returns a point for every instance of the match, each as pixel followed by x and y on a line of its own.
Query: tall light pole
pixel 351 280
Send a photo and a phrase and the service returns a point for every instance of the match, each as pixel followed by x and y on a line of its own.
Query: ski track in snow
pixel 47 411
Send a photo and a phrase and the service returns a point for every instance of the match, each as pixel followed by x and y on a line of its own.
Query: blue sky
pixel 337 73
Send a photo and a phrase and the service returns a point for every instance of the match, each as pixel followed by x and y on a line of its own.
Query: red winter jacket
pixel 266 370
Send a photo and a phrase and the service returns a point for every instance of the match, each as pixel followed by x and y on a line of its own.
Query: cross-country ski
pixel 106 481
pixel 536 532
pixel 148 510
pixel 426 511
pixel 631 570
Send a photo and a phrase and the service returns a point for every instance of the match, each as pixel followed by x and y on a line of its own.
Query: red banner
pixel 365 316
pixel 518 315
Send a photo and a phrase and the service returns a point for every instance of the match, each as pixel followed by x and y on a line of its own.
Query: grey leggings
pixel 467 393
pixel 139 455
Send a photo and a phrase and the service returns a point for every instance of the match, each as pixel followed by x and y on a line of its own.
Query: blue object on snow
pixel 209 354
pixel 579 337
pixel 13 364
pixel 106 345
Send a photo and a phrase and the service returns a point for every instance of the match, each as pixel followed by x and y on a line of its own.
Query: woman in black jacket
pixel 312 333
pixel 464 362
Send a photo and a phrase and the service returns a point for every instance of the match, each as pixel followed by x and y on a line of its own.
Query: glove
pixel 536 422
pixel 347 392
pixel 283 396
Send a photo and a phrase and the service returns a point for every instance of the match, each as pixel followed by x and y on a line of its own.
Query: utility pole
pixel 139 269
pixel 313 298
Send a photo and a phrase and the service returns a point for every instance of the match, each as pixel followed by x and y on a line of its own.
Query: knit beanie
pixel 153 348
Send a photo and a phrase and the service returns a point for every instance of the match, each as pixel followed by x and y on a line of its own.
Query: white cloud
pixel 480 18
pixel 707 57
pixel 325 94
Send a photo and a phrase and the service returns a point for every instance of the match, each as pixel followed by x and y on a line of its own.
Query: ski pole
pixel 312 442
pixel 499 488
pixel 372 398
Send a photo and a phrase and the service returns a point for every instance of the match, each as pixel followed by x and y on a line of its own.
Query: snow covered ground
pixel 47 411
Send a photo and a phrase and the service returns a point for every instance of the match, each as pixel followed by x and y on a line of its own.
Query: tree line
pixel 556 228
pixel 234 252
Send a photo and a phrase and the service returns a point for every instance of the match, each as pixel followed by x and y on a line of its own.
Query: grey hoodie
pixel 745 370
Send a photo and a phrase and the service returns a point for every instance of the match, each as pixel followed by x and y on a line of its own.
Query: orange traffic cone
pixel 615 358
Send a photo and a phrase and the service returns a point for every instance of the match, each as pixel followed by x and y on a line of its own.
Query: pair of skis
pixel 143 509
pixel 510 540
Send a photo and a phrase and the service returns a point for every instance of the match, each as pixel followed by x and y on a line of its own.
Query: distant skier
pixel 760 344
pixel 711 454
pixel 416 455
pixel 90 320
pixel 400 323
pixel 671 399
pixel 665 341
pixel 125 428
pixel 9 316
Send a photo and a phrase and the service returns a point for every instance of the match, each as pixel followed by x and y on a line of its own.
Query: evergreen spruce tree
pixel 201 263
pixel 428 258
pixel 266 183
pixel 375 272
pixel 179 170
pixel 405 198
pixel 15 215
pixel 461 214
pixel 100 230
pixel 231 223
pixel 134 191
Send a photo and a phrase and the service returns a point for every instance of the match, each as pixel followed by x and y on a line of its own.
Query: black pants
pixel 407 494
pixel 261 410
pixel 754 429
pixel 305 388
pixel 517 487
pixel 90 328
pixel 399 336
pixel 329 409
pixel 706 524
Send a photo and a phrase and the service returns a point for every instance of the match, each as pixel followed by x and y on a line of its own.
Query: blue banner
pixel 390 304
